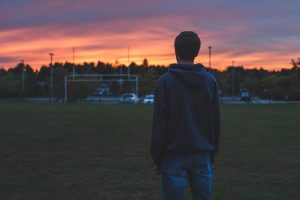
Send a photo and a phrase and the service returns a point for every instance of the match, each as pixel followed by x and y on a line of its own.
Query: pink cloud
pixel 102 30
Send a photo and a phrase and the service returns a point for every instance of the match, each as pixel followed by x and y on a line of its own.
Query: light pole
pixel 121 78
pixel 128 62
pixel 232 79
pixel 209 56
pixel 73 62
pixel 51 78
pixel 23 79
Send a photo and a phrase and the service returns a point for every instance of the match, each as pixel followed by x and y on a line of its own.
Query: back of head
pixel 187 46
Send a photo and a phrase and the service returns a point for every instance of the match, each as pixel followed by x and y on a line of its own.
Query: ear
pixel 178 59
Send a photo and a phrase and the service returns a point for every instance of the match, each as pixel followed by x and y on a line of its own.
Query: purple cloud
pixel 234 28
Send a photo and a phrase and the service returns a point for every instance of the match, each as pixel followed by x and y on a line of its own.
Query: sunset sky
pixel 253 33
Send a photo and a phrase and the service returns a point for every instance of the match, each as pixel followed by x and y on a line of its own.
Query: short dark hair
pixel 187 45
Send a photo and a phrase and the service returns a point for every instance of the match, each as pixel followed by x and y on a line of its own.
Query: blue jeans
pixel 179 170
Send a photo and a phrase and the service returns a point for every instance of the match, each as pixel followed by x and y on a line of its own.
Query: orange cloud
pixel 34 45
pixel 243 31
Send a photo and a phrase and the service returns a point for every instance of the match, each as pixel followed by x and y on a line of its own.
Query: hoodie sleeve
pixel 159 123
pixel 216 116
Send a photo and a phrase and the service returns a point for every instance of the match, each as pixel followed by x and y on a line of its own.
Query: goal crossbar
pixel 99 78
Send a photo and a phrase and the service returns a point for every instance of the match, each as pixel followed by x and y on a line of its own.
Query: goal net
pixel 102 88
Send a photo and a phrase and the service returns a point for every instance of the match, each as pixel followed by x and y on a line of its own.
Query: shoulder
pixel 163 82
pixel 211 77
pixel 163 78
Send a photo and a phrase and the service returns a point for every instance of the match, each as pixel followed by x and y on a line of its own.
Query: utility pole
pixel 232 79
pixel 121 78
pixel 209 56
pixel 128 60
pixel 51 78
pixel 100 70
pixel 23 79
pixel 73 62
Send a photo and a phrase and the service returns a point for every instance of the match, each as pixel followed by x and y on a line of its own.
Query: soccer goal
pixel 102 88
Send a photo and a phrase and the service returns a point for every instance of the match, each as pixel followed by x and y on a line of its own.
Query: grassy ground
pixel 88 152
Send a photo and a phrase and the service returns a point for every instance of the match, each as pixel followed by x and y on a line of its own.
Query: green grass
pixel 90 151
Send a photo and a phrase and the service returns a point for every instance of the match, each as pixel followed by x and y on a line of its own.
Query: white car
pixel 149 99
pixel 129 98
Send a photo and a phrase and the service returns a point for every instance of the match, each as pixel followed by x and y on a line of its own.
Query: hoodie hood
pixel 191 75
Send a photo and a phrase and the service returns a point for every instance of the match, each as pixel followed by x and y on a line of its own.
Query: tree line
pixel 278 85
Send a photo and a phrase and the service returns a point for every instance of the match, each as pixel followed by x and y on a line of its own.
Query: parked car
pixel 129 98
pixel 103 90
pixel 149 99
pixel 245 95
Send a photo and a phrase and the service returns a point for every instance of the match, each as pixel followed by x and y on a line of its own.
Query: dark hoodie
pixel 186 116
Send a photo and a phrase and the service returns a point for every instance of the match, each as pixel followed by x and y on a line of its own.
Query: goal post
pixel 99 87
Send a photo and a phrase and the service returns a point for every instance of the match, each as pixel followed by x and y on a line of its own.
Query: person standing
pixel 186 123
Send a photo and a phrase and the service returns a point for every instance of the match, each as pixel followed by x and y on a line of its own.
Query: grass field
pixel 90 151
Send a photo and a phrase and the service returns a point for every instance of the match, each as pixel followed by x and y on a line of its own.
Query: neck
pixel 185 62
